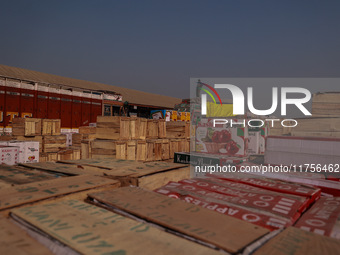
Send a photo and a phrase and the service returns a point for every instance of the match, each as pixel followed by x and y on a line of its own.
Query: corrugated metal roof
pixel 130 95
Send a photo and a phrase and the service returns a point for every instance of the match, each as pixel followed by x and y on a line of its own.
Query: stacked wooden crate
pixel 138 138
pixel 325 119
pixel 52 144
pixel 86 134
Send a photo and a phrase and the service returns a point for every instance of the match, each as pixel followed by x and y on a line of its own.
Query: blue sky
pixel 156 46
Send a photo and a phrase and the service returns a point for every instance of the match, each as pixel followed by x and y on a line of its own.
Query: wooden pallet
pixel 177 129
pixel 152 129
pixel 87 130
pixel 113 127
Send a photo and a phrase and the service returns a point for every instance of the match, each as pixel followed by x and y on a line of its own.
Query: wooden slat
pixel 89 229
pixel 200 223
pixel 299 242
pixel 28 193
pixel 15 241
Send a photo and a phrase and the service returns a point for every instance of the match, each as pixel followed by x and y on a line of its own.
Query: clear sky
pixel 156 46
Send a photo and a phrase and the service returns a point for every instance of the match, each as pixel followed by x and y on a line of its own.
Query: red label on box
pixel 321 217
pixel 281 206
pixel 242 214
pixel 274 185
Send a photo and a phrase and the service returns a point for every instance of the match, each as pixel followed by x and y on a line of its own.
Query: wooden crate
pixel 87 130
pixel 142 128
pixel 134 128
pixel 177 129
pixel 42 157
pixel 76 139
pixel 141 150
pixel 158 149
pixel 48 157
pixel 187 145
pixel 138 128
pixel 182 145
pixel 161 128
pixel 26 126
pixel 150 148
pixel 54 143
pixel 89 137
pixel 174 144
pixel 152 129
pixel 131 147
pixel 85 152
pixel 165 149
pixel 69 154
pixel 51 126
pixel 121 149
pixel 113 127
pixel 103 149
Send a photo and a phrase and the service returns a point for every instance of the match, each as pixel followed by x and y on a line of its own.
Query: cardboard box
pixel 302 150
pixel 31 153
pixel 8 155
pixel 322 218
pixel 183 116
pixel 174 116
pixel 231 141
pixel 28 151
pixel 263 137
pixel 254 142
pixel 21 149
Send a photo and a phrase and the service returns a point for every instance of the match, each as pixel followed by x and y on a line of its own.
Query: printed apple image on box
pixel 32 152
pixel 231 141
pixel 8 155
